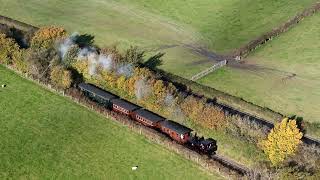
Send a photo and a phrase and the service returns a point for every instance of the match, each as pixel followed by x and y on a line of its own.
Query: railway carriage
pixel 123 106
pixel 147 118
pixel 176 131
pixel 100 96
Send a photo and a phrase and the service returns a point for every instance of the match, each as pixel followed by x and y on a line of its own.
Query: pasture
pixel 226 24
pixel 283 74
pixel 169 26
pixel 46 136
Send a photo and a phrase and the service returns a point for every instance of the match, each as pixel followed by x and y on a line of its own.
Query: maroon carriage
pixel 147 118
pixel 176 131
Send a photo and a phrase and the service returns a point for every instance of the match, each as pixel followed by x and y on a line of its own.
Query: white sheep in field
pixel 3 85
pixel 134 168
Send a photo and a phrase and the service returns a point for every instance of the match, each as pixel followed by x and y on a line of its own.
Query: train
pixel 177 132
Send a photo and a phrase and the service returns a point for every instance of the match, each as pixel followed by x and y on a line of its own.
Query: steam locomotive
pixel 174 130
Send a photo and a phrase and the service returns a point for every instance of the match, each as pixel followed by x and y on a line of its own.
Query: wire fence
pixel 209 70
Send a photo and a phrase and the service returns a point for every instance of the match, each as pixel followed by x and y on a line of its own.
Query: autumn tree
pixel 203 113
pixel 71 56
pixel 46 37
pixel 8 49
pixel 40 60
pixel 282 141
pixel 61 77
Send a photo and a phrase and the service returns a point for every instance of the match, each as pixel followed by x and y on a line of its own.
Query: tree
pixel 19 62
pixel 70 56
pixel 133 55
pixel 282 141
pixel 40 60
pixel 8 48
pixel 46 37
pixel 61 77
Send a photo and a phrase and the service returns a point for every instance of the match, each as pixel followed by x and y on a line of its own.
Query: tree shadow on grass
pixel 84 40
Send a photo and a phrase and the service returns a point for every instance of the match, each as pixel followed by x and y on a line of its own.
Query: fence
pixel 209 70
pixel 247 48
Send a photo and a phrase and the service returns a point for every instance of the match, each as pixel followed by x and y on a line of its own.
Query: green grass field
pixel 46 136
pixel 226 24
pixel 296 51
pixel 219 25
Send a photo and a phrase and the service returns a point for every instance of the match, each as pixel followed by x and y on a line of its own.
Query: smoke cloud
pixel 92 63
pixel 66 44
pixel 142 89
pixel 105 62
pixel 169 100
pixel 125 69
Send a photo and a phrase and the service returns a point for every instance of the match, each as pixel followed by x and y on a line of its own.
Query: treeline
pixel 63 60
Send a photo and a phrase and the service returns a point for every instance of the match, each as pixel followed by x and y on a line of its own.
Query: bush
pixel 8 48
pixel 250 131
pixel 19 61
pixel 61 77
pixel 202 113
pixel 282 141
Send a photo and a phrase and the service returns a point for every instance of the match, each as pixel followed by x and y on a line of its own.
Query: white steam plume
pixel 66 44
pixel 105 62
pixel 169 100
pixel 142 89
pixel 92 63
pixel 125 69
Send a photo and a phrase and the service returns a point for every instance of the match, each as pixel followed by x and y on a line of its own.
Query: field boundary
pixel 209 70
pixel 254 44
pixel 17 24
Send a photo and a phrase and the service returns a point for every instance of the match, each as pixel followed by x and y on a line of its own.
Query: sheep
pixel 3 85
pixel 134 168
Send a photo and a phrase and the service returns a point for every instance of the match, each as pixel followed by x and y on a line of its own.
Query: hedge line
pixel 247 48
pixel 222 97
pixel 17 24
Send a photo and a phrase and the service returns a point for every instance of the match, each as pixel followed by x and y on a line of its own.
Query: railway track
pixel 232 165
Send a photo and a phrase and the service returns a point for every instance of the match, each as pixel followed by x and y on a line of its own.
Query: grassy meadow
pixel 46 136
pixel 226 24
pixel 295 52
pixel 220 25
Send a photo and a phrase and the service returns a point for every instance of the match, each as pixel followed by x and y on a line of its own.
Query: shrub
pixel 19 61
pixel 282 141
pixel 242 127
pixel 61 77
pixel 8 48
pixel 202 113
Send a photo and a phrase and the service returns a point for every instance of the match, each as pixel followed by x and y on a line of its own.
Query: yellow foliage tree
pixel 46 36
pixel 282 141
